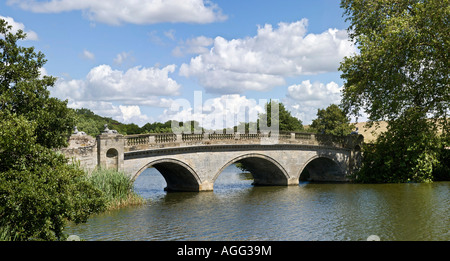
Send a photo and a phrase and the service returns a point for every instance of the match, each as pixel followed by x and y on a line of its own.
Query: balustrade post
pixel 292 136
pixel 179 138
pixel 313 139
pixel 237 136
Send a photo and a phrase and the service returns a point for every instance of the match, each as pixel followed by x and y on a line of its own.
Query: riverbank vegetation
pixel 400 75
pixel 117 188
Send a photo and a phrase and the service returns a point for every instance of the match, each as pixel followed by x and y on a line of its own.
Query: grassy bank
pixel 117 188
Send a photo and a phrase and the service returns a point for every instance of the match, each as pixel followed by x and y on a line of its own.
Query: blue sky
pixel 143 60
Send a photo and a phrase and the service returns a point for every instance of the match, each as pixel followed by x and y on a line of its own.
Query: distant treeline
pixel 329 121
pixel 93 124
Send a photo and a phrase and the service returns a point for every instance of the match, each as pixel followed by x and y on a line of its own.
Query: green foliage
pixel 116 186
pixel 400 75
pixel 113 183
pixel 442 170
pixel 24 92
pixel 93 124
pixel 185 127
pixel 157 127
pixel 241 166
pixel 39 191
pixel 403 60
pixel 407 152
pixel 286 121
pixel 332 120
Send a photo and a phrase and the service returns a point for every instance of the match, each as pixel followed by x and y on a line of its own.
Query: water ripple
pixel 238 211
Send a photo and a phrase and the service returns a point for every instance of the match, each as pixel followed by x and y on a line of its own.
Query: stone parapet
pixel 149 141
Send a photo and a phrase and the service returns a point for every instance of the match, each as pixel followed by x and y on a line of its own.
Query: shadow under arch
pixel 178 175
pixel 265 170
pixel 322 168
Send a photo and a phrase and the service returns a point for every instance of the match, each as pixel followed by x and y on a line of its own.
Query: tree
pixel 23 90
pixel 400 75
pixel 287 122
pixel 407 152
pixel 157 127
pixel 332 120
pixel 39 191
pixel 403 60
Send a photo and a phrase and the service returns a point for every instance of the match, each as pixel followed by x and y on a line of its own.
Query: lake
pixel 236 210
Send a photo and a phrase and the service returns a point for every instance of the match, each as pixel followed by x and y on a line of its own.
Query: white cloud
pixel 303 100
pixel 31 35
pixel 104 87
pixel 197 45
pixel 132 114
pixel 265 60
pixel 225 111
pixel 317 91
pixel 123 57
pixel 116 12
pixel 121 113
pixel 88 55
pixel 138 85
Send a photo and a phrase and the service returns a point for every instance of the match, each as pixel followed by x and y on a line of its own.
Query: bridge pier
pixel 206 186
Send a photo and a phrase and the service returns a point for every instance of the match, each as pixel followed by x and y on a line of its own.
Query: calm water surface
pixel 238 211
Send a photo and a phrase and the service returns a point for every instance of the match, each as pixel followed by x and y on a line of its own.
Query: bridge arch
pixel 265 170
pixel 178 175
pixel 322 168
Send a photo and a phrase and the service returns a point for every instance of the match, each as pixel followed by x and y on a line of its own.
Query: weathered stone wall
pixel 82 149
pixel 110 151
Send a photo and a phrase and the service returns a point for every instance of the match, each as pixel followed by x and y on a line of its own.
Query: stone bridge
pixel 193 162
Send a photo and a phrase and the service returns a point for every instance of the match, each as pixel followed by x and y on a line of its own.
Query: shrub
pixel 116 186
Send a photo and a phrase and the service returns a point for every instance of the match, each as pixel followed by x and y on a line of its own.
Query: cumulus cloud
pixel 265 60
pixel 31 35
pixel 304 99
pixel 136 85
pixel 121 113
pixel 317 91
pixel 119 94
pixel 197 45
pixel 132 114
pixel 217 113
pixel 116 12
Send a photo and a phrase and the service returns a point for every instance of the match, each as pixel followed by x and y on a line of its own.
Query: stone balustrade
pixel 161 140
